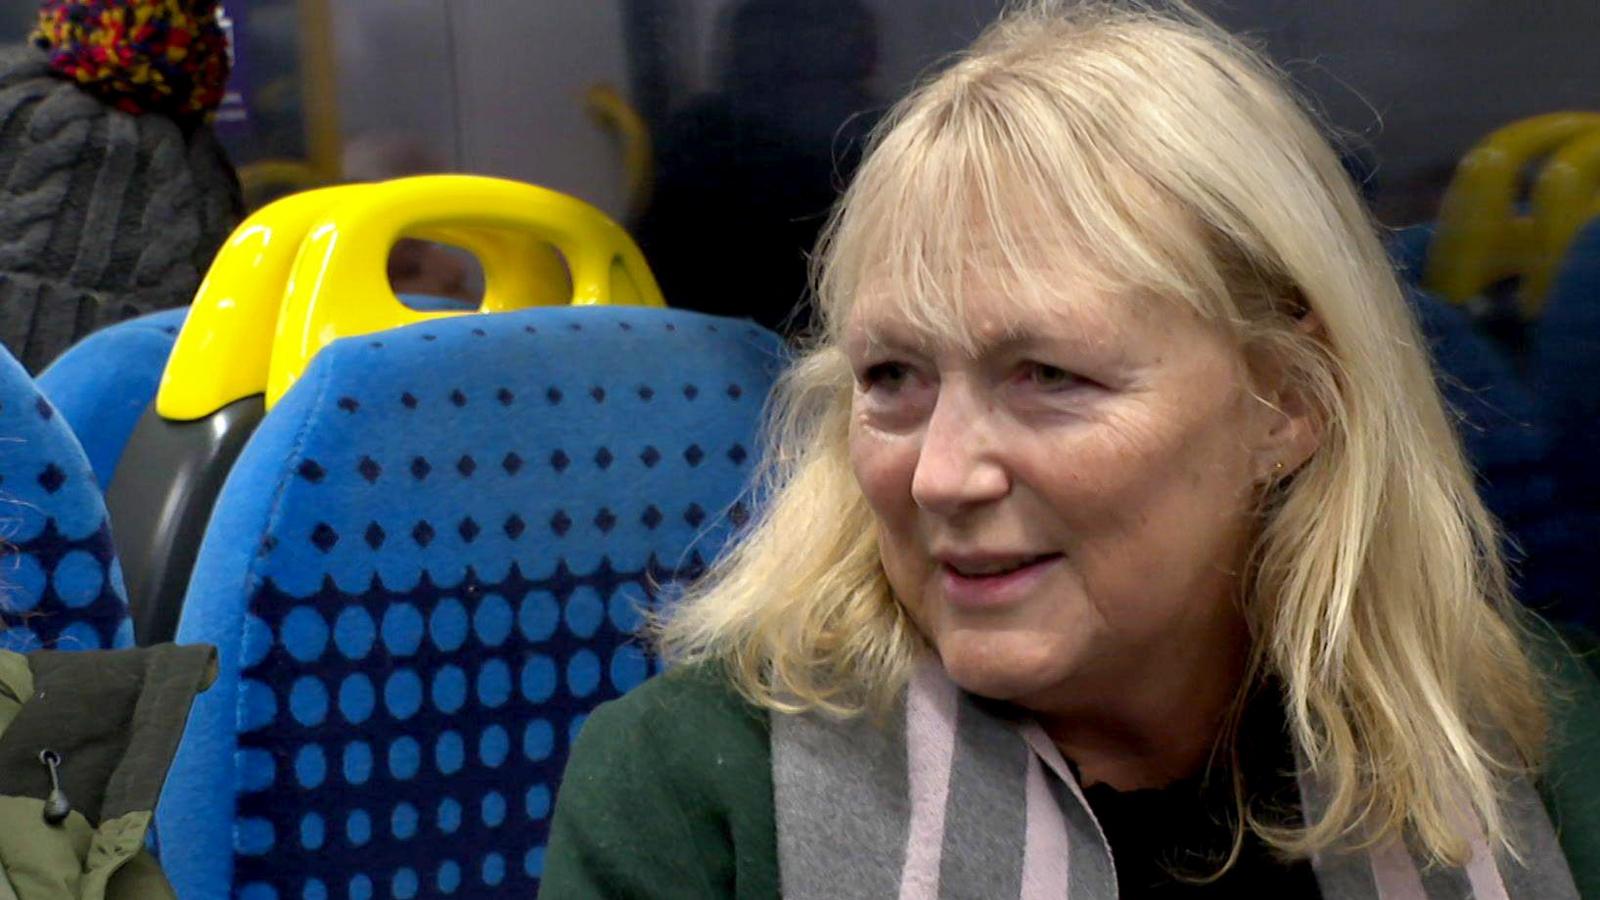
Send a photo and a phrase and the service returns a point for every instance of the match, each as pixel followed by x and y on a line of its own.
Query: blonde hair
pixel 1173 161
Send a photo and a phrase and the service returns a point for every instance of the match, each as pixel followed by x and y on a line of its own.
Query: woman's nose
pixel 959 463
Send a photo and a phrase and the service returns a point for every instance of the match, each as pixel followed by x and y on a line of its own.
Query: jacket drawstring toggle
pixel 56 806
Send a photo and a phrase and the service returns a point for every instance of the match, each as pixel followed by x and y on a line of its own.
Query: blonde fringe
pixel 1117 135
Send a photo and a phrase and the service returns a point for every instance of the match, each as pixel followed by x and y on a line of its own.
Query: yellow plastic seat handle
pixel 339 286
pixel 1480 237
pixel 611 111
pixel 1565 197
pixel 225 347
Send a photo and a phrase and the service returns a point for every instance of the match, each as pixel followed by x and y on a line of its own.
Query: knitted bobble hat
pixel 114 193
pixel 163 56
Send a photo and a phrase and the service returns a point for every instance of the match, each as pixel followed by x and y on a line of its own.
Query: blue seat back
pixel 1565 371
pixel 1566 365
pixel 1518 426
pixel 1408 248
pixel 102 384
pixel 1501 427
pixel 60 586
pixel 425 568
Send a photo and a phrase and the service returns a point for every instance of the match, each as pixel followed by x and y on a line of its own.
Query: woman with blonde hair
pixel 1117 540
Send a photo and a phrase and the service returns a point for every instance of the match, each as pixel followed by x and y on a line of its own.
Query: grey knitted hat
pixel 103 215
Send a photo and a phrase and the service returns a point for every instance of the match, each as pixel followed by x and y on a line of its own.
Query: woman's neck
pixel 1151 721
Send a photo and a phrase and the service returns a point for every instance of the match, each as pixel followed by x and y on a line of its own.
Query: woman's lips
pixel 987 591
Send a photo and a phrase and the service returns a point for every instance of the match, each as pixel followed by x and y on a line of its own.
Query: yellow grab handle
pixel 1564 198
pixel 1481 239
pixel 613 113
pixel 340 287
pixel 223 351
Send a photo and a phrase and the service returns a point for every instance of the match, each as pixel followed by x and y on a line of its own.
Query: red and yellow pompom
pixel 165 56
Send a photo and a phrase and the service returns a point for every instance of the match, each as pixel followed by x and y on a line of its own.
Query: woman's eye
pixel 888 376
pixel 1050 378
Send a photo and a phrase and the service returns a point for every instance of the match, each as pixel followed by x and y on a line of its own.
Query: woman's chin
pixel 1007 666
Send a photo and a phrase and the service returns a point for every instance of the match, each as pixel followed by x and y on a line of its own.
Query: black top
pixel 1166 840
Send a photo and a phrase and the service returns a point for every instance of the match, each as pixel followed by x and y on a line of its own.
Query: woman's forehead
pixel 991 313
pixel 951 238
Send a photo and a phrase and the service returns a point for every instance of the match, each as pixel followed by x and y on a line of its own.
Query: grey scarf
pixel 943 799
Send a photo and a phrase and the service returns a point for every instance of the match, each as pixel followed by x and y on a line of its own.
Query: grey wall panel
pixel 396 65
pixel 521 70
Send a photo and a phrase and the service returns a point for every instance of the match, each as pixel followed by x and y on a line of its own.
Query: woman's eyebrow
pixel 1080 333
pixel 1102 344
pixel 876 338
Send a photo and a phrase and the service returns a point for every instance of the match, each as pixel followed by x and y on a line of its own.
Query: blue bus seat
pixel 1566 369
pixel 106 388
pixel 426 566
pixel 60 585
pixel 1506 433
pixel 1565 372
pixel 103 383
pixel 1408 249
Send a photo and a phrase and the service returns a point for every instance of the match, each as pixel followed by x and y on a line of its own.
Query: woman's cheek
pixel 883 463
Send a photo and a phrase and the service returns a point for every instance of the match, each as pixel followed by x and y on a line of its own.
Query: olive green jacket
pixel 112 718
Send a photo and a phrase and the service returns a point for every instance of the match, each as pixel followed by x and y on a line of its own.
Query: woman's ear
pixel 1292 428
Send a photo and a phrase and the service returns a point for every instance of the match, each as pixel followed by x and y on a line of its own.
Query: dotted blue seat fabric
pixel 103 384
pixel 424 569
pixel 60 586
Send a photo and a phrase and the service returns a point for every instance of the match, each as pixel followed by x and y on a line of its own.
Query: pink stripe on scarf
pixel 1046 847
pixel 1394 873
pixel 1047 751
pixel 1482 873
pixel 931 706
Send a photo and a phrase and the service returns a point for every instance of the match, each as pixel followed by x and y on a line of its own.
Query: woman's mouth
pixel 991 581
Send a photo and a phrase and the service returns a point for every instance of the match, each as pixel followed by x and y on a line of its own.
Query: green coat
pixel 669 793
pixel 113 717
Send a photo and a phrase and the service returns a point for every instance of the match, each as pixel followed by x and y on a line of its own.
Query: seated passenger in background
pixel 746 172
pixel 1118 539
pixel 114 191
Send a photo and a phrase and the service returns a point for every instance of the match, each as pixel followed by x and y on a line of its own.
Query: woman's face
pixel 1069 507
